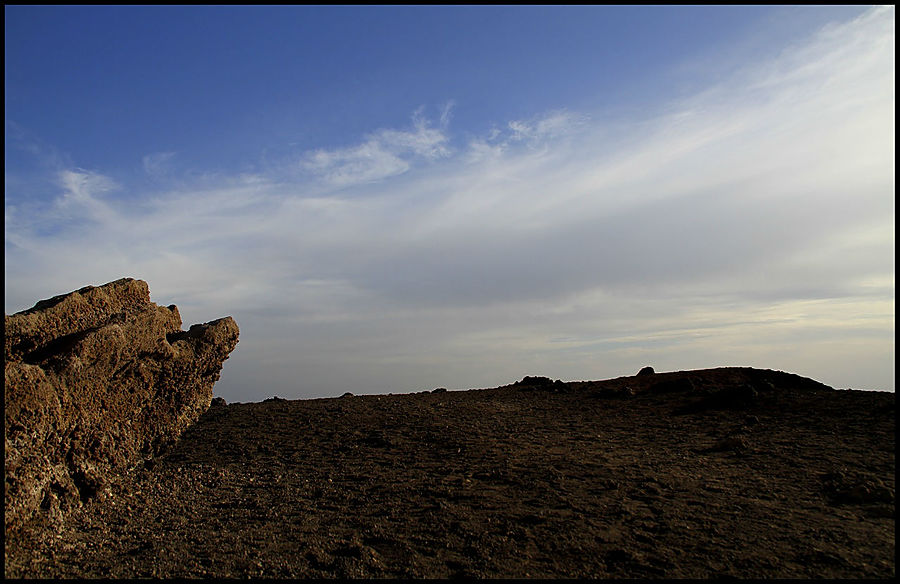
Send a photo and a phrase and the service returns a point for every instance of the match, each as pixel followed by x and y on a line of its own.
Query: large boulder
pixel 96 381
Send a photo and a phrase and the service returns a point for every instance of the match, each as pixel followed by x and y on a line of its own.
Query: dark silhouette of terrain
pixel 722 472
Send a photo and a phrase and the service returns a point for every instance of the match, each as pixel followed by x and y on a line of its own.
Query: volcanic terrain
pixel 736 472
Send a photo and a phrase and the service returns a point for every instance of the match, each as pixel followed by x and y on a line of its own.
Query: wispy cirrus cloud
pixel 383 154
pixel 552 125
pixel 158 164
pixel 751 223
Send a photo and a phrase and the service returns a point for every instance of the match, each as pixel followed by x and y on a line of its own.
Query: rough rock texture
pixel 97 380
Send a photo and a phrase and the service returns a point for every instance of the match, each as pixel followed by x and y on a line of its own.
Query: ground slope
pixel 731 471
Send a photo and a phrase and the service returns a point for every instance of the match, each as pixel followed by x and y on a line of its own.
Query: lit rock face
pixel 97 380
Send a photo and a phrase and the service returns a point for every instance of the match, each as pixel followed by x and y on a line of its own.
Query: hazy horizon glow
pixel 731 204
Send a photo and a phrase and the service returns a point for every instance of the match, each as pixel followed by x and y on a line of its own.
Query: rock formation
pixel 96 381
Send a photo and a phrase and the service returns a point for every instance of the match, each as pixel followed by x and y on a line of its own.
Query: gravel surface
pixel 723 472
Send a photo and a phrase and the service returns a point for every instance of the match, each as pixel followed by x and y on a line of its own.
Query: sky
pixel 390 199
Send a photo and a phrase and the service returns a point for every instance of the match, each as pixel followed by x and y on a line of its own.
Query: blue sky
pixel 391 199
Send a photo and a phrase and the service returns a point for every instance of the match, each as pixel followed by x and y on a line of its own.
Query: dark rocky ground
pixel 722 472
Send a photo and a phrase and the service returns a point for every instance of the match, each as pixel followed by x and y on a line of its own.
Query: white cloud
pixel 447 114
pixel 82 196
pixel 553 125
pixel 158 164
pixel 383 154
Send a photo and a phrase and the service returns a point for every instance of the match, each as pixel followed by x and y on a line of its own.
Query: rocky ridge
pixel 95 381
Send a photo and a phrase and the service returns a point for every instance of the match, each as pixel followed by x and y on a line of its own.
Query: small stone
pixel 731 443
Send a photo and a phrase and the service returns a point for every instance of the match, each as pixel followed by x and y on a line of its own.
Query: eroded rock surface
pixel 97 380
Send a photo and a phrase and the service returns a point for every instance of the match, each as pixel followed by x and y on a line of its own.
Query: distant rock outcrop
pixel 97 380
pixel 534 381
